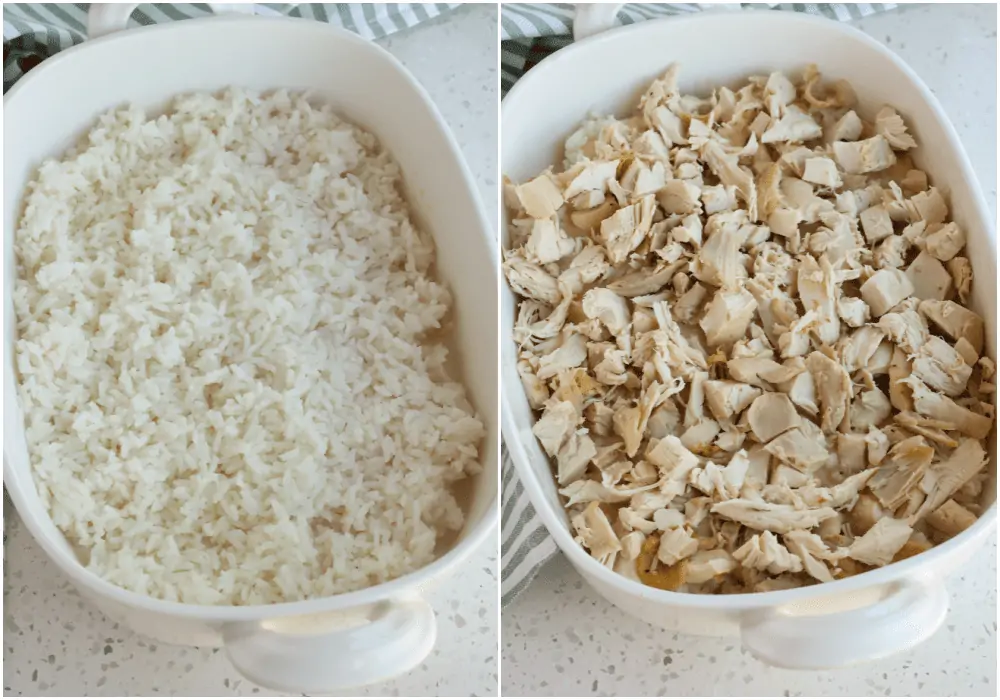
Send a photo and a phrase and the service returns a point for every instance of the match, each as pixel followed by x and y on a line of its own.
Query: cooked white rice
pixel 231 367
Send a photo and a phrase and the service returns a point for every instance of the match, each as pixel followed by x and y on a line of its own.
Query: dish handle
pixel 910 613
pixel 106 17
pixel 303 655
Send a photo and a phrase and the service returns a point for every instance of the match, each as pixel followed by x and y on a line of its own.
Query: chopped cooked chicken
pixel 779 518
pixel 879 545
pixel 770 415
pixel 555 426
pixel 851 452
pixel 821 171
pixel 671 457
pixel 795 126
pixel 905 328
pixel 688 305
pixel 955 321
pixel 595 533
pixel 907 462
pixel 727 316
pixel 531 281
pixel 742 323
pixel 865 156
pixel 592 217
pixel 645 281
pixel 890 125
pixel 632 545
pixel 609 308
pixel 589 176
pixel 876 224
pixel 891 252
pixel 716 198
pixel 678 197
pixel 818 292
pixel 725 398
pixel 572 352
pixel 847 128
pixel 878 445
pixel 726 167
pixel 934 405
pixel 548 243
pixel 961 274
pixel 630 423
pixel 534 388
pixel 709 564
pixel 941 366
pixel 951 518
pixel 676 544
pixel 798 449
pixel 573 458
pixel 945 242
pixel 929 278
pixel 929 207
pixel 764 552
pixel 539 198
pixel 944 478
pixel 833 388
pixel 870 408
pixel 813 551
pixel 623 231
pixel 885 289
pixel 857 349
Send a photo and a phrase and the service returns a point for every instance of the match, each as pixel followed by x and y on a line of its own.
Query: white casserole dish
pixel 318 645
pixel 835 624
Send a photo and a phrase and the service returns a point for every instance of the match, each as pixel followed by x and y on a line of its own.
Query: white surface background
pixel 56 644
pixel 561 638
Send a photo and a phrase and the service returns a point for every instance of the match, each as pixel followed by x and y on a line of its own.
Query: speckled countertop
pixel 561 638
pixel 56 644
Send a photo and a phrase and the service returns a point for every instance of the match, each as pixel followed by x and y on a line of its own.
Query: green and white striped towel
pixel 34 31
pixel 529 33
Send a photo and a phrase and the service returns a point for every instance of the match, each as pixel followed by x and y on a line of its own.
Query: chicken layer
pixel 743 326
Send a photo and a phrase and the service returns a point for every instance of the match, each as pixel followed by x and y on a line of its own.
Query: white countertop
pixel 561 638
pixel 56 644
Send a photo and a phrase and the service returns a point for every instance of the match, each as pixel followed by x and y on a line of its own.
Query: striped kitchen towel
pixel 34 31
pixel 529 33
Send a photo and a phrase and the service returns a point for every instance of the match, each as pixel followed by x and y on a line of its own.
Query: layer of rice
pixel 230 355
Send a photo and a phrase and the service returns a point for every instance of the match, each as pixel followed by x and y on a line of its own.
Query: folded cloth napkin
pixel 34 31
pixel 529 33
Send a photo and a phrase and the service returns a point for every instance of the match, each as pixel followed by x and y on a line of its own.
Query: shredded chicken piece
pixel 707 565
pixel 951 518
pixel 594 532
pixel 890 125
pixel 727 316
pixel 813 552
pixel 779 518
pixel 885 289
pixel 944 478
pixel 770 415
pixel 539 198
pixel 955 321
pixel 800 450
pixel 879 545
pixel 743 325
pixel 765 553
pixel 865 156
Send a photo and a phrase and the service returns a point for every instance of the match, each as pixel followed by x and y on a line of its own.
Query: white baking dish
pixel 823 626
pixel 318 645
